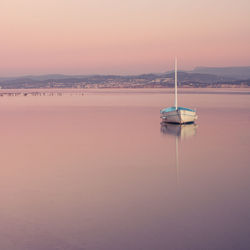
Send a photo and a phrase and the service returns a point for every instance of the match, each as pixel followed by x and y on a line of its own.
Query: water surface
pixel 98 171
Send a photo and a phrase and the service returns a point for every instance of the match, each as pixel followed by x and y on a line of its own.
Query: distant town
pixel 200 77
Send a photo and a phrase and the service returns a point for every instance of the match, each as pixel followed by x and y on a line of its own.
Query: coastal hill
pixel 199 77
pixel 238 73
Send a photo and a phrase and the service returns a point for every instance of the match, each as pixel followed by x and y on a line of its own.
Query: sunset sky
pixel 121 37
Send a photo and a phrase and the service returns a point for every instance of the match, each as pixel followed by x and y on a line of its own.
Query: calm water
pixel 98 171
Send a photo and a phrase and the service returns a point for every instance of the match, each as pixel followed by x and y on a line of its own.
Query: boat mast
pixel 175 99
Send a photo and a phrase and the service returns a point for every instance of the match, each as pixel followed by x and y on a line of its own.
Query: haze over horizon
pixel 114 37
pixel 197 69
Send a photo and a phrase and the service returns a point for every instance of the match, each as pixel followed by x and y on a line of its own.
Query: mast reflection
pixel 180 132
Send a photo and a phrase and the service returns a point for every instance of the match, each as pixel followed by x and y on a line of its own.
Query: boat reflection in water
pixel 180 132
pixel 184 131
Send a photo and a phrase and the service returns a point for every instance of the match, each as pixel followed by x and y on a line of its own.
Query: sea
pixel 95 169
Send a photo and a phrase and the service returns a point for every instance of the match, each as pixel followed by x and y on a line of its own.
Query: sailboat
pixel 178 115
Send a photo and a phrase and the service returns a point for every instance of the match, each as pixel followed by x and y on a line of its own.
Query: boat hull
pixel 179 116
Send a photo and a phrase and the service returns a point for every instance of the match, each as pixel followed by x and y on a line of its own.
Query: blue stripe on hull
pixel 165 110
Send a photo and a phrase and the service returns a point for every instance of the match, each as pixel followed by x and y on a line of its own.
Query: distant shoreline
pixel 75 91
pixel 199 78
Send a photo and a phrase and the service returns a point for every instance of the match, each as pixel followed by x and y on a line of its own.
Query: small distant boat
pixel 178 115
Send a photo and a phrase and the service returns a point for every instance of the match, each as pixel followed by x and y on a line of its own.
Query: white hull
pixel 179 116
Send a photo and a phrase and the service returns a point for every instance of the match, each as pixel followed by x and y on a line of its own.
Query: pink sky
pixel 121 37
